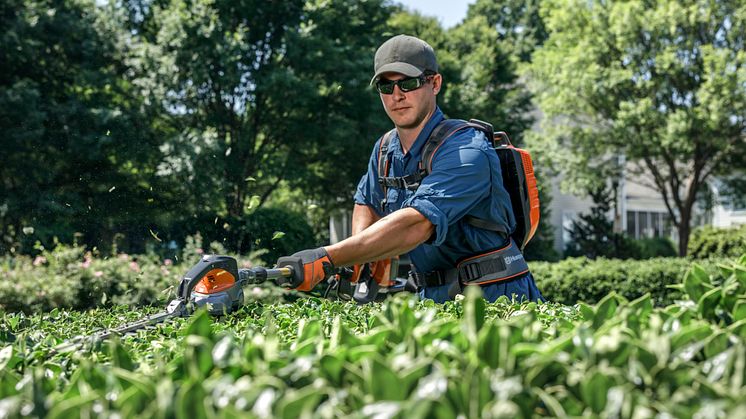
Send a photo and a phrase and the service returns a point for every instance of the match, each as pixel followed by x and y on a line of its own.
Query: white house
pixel 641 213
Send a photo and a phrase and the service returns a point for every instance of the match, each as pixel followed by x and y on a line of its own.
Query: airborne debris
pixel 278 235
pixel 112 188
pixel 155 235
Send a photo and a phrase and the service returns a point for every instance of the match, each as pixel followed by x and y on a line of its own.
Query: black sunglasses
pixel 408 84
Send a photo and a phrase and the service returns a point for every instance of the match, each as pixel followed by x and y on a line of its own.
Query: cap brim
pixel 402 68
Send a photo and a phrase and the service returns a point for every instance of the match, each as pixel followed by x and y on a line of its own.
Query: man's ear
pixel 437 83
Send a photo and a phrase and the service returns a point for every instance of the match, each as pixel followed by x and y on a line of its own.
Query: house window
pixel 667 227
pixel 646 224
pixel 632 223
pixel 655 223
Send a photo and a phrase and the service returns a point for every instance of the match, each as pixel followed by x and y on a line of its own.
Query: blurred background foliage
pixel 130 125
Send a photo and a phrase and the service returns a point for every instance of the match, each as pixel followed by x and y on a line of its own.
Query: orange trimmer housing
pixel 215 281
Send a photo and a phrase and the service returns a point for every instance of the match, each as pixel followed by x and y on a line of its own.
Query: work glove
pixel 380 271
pixel 309 268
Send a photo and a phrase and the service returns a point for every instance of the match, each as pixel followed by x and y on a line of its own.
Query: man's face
pixel 408 110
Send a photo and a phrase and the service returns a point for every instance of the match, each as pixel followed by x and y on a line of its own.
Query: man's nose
pixel 398 94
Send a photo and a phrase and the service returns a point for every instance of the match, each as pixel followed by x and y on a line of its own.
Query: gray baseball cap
pixel 406 55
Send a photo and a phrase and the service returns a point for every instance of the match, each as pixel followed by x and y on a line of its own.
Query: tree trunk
pixel 685 230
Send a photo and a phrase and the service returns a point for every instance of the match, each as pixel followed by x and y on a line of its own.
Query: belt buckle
pixel 471 272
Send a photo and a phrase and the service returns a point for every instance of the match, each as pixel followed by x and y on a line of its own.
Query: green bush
pixel 401 358
pixel 581 279
pixel 656 247
pixel 710 242
pixel 74 277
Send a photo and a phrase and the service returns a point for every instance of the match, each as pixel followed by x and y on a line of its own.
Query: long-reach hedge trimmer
pixel 216 283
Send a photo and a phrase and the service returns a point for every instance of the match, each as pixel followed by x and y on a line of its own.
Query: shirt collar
pixel 422 137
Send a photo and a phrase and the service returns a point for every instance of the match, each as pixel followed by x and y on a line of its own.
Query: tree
pixel 79 155
pixel 593 235
pixel 662 83
pixel 518 24
pixel 263 95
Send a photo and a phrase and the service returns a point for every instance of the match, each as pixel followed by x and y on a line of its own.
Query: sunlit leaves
pixel 412 357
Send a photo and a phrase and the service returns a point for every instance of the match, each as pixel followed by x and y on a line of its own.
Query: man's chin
pixel 406 123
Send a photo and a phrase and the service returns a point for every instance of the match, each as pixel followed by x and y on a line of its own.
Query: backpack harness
pixel 519 181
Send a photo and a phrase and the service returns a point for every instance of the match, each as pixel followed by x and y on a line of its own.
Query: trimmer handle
pixel 258 275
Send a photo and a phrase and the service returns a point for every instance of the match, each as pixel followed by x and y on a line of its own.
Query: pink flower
pixel 199 251
pixel 168 262
pixel 98 274
pixel 40 260
pixel 123 256
pixel 134 266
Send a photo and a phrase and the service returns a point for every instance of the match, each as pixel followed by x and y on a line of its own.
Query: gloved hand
pixel 309 268
pixel 380 271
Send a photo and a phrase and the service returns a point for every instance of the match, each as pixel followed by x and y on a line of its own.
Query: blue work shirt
pixel 465 180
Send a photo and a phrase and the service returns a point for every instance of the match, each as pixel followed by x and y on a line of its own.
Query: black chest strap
pixel 495 266
pixel 411 182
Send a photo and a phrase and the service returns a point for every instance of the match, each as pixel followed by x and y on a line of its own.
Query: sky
pixel 448 12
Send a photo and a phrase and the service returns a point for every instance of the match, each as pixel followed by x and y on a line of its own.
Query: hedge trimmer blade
pixel 215 283
pixel 176 308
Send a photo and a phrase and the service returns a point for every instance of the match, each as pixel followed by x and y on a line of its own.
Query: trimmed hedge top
pixel 579 279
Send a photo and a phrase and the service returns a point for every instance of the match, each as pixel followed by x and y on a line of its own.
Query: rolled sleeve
pixel 459 180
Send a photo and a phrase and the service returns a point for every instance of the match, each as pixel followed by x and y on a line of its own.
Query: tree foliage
pixel 662 83
pixel 79 153
pixel 261 93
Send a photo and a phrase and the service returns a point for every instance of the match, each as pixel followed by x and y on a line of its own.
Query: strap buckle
pixel 430 279
pixel 470 272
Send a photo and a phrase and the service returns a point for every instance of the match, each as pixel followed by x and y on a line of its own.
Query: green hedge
pixel 581 279
pixel 74 277
pixel 707 242
pixel 402 358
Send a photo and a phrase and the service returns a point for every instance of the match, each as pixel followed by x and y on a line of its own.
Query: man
pixel 428 222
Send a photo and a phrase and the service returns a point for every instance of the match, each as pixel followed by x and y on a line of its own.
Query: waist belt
pixel 498 265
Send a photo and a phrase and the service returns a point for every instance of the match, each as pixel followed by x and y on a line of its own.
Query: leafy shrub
pixel 74 277
pixel 402 358
pixel 710 242
pixel 720 299
pixel 581 279
pixel 655 247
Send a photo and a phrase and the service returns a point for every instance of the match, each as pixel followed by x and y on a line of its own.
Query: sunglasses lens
pixel 386 87
pixel 409 84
